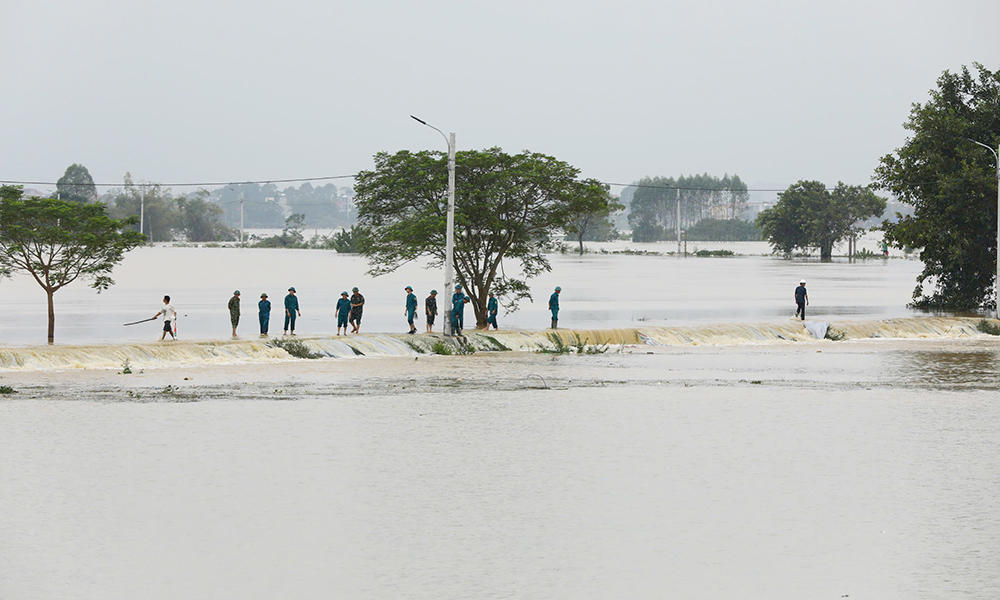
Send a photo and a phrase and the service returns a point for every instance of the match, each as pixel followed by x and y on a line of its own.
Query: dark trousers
pixel 265 320
pixel 800 307
pixel 290 319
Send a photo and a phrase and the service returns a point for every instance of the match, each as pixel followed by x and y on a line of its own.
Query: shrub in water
pixel 835 334
pixel 296 348
pixel 441 348
pixel 987 327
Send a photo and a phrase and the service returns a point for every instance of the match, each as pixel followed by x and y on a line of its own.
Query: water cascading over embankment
pixel 181 354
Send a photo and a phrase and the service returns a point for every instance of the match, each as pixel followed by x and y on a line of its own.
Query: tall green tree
pixel 508 207
pixel 591 206
pixel 76 185
pixel 201 220
pixel 808 215
pixel 652 209
pixel 951 183
pixel 60 241
pixel 161 218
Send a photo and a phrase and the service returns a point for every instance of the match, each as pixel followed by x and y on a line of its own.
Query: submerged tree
pixel 508 207
pixel 59 241
pixel 590 210
pixel 808 215
pixel 952 185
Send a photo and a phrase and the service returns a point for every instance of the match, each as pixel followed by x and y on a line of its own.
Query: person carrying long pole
pixel 169 319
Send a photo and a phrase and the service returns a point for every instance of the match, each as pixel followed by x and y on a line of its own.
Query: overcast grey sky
pixel 775 91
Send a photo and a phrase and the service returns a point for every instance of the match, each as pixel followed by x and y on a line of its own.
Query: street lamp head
pixel 421 121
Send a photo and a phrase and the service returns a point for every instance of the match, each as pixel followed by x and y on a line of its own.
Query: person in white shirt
pixel 169 319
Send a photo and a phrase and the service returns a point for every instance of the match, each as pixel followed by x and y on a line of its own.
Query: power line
pixel 203 183
pixel 331 177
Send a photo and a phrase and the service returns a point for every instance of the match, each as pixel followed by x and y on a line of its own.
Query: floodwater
pixel 600 291
pixel 862 469
pixel 770 466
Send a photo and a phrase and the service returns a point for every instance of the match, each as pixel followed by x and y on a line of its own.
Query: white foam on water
pixel 179 354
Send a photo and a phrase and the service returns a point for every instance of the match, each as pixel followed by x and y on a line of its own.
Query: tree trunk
pixel 580 238
pixel 52 317
pixel 826 251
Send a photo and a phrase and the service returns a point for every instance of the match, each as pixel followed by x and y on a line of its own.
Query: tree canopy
pixel 60 241
pixel 76 185
pixel 808 215
pixel 591 205
pixel 507 208
pixel 192 217
pixel 951 183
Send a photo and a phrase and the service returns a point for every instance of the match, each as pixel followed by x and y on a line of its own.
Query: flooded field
pixel 601 291
pixel 710 448
pixel 861 469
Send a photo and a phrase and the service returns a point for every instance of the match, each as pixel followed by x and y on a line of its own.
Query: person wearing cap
pixel 357 308
pixel 458 302
pixel 264 314
pixel 431 309
pixel 343 310
pixel 491 312
pixel 234 310
pixel 291 311
pixel 801 300
pixel 554 307
pixel 411 309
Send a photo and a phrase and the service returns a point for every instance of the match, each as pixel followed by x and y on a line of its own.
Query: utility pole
pixel 678 220
pixel 142 209
pixel 449 256
pixel 241 217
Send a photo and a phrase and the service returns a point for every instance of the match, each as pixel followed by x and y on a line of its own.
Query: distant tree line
pixel 653 203
pixel 214 216
pixel 166 217
pixel 266 206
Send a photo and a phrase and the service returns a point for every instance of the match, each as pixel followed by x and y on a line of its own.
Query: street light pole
pixel 449 258
pixel 996 282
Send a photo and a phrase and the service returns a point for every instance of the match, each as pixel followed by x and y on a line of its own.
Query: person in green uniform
pixel 357 309
pixel 491 312
pixel 291 310
pixel 343 310
pixel 234 310
pixel 264 314
pixel 554 307
pixel 458 302
pixel 431 309
pixel 411 309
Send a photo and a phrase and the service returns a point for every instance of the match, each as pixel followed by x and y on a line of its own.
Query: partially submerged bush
pixel 296 348
pixel 835 334
pixel 988 327
pixel 440 347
